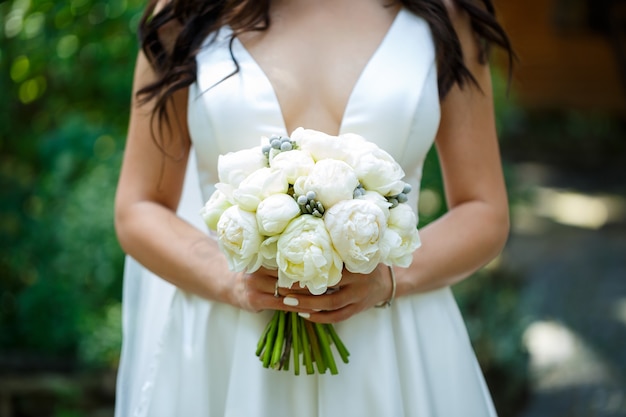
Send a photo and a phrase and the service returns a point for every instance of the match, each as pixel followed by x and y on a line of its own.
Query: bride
pixel 214 76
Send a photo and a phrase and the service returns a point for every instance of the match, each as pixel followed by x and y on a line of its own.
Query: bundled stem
pixel 289 335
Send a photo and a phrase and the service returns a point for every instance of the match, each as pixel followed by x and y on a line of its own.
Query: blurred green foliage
pixel 65 78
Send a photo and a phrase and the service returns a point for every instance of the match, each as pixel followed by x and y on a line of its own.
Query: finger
pixel 269 272
pixel 264 301
pixel 260 282
pixel 331 301
pixel 284 291
pixel 263 293
pixel 348 277
pixel 334 316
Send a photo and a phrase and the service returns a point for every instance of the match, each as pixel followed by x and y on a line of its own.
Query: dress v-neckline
pixel 346 110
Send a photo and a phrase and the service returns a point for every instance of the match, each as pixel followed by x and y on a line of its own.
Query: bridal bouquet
pixel 308 206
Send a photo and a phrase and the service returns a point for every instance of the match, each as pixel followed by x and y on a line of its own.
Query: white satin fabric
pixel 188 357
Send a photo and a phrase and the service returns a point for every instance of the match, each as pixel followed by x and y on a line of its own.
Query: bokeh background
pixel 547 317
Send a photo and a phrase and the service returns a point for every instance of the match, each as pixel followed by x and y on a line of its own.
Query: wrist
pixel 235 291
pixel 392 295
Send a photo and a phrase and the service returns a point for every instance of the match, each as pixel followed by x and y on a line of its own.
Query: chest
pixel 393 101
pixel 314 64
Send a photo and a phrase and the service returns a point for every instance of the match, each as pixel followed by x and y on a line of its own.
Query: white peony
pixel 293 164
pixel 353 144
pixel 377 199
pixel 268 251
pixel 239 239
pixel 355 228
pixel 234 167
pixel 318 144
pixel 331 180
pixel 298 186
pixel 378 171
pixel 259 185
pixel 401 238
pixel 213 209
pixel 306 256
pixel 275 212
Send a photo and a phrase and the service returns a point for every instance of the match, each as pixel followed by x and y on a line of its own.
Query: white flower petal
pixel 332 181
pixel 356 228
pixel 259 185
pixel 306 256
pixel 275 212
pixel 239 239
pixel 234 167
pixel 214 208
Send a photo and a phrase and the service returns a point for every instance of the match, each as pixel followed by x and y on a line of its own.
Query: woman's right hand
pixel 257 291
pixel 254 292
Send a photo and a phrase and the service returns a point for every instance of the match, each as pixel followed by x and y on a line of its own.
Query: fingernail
pixel 304 315
pixel 290 301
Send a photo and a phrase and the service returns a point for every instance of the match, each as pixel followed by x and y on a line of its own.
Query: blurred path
pixel 570 246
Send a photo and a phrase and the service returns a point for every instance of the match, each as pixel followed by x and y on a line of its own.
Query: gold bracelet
pixel 387 303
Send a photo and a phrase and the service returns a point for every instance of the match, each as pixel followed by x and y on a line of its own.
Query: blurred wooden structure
pixel 572 52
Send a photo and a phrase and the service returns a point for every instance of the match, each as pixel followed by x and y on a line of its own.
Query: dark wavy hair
pixel 193 21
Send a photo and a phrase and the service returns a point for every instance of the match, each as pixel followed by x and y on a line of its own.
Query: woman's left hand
pixel 355 293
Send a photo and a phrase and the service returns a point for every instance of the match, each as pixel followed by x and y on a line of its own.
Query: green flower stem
pixel 315 348
pixel 263 339
pixel 287 347
pixel 306 348
pixel 295 335
pixel 287 334
pixel 279 341
pixel 267 354
pixel 324 343
pixel 341 348
pixel 284 360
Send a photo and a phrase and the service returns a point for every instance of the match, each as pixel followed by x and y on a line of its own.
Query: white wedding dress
pixel 184 356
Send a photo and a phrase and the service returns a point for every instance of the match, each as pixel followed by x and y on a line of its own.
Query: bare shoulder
pixel 459 18
pixel 462 24
pixel 168 33
pixel 451 6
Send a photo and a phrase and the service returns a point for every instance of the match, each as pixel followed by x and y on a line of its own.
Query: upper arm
pixel 466 141
pixel 155 156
